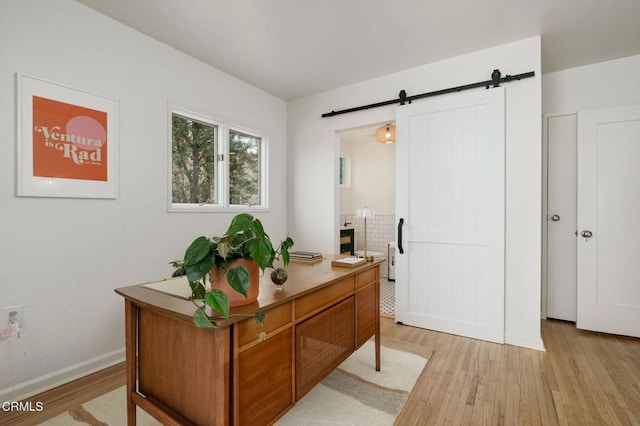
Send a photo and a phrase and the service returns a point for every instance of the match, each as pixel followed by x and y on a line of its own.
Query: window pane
pixel 244 168
pixel 194 147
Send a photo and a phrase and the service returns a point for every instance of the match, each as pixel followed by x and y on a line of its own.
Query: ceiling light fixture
pixel 386 133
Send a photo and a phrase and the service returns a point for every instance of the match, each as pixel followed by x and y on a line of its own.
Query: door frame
pixel 545 208
pixel 349 122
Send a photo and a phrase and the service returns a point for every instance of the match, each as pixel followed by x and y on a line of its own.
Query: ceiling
pixel 294 48
pixel 360 135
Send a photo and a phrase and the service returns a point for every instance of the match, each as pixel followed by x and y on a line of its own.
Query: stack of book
pixel 307 257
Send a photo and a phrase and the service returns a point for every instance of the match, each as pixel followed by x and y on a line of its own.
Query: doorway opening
pixel 367 179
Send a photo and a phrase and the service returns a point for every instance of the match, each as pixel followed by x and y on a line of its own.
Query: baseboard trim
pixel 538 345
pixel 65 397
pixel 49 381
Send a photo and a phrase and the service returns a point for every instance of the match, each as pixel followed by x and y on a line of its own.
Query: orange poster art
pixel 69 141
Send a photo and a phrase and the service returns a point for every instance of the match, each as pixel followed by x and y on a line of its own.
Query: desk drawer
pixel 249 329
pixel 327 295
pixel 265 380
pixel 366 277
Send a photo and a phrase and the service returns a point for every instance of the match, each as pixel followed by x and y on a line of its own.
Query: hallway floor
pixel 387 297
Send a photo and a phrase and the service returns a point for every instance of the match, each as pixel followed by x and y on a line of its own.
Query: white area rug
pixel 357 394
pixel 354 394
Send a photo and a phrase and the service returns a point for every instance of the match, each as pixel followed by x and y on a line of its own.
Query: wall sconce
pixel 386 133
pixel 366 213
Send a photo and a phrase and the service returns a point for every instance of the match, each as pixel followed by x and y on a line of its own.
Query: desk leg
pixel 131 325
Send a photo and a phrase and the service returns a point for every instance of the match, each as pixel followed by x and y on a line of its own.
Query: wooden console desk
pixel 182 375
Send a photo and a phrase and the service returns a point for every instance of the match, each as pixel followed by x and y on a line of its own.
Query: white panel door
pixel 609 220
pixel 450 198
pixel 562 135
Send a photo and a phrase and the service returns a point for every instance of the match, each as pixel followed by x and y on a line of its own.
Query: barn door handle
pixel 400 249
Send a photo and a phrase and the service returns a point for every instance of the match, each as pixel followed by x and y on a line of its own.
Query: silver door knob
pixel 555 218
pixel 587 234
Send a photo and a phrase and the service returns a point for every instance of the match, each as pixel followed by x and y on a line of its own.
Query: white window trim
pixel 347 170
pixel 222 177
pixel 264 166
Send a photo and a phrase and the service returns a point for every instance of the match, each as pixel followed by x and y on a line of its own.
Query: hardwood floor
pixel 63 398
pixel 584 378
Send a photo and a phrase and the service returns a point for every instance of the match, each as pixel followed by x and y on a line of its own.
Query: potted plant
pixel 226 261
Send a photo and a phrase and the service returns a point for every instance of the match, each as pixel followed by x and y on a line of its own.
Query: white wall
pixel 373 177
pixel 602 85
pixel 313 153
pixel 62 258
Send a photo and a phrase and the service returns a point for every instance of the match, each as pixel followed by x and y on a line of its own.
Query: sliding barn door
pixel 450 205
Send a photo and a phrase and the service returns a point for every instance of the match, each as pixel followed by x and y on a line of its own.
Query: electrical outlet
pixel 12 315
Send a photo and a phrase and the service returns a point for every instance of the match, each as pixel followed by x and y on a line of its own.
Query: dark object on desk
pixel 279 276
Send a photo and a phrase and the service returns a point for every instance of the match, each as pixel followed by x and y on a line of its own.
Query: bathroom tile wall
pixel 380 232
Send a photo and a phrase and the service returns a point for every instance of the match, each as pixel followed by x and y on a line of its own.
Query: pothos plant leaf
pixel 200 319
pixel 197 289
pixel 197 251
pixel 240 223
pixel 218 301
pixel 197 271
pixel 238 279
pixel 262 252
pixel 284 250
pixel 223 249
pixel 259 230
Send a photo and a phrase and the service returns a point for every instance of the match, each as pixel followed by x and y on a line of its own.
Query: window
pixel 215 166
pixel 244 168
pixel 345 170
pixel 194 150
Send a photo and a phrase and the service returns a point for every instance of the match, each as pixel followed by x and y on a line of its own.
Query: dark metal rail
pixel 495 81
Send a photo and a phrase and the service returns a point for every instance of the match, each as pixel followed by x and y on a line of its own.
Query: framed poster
pixel 67 141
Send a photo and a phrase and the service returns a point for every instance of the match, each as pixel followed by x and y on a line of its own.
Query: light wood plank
pixel 583 378
pixel 58 400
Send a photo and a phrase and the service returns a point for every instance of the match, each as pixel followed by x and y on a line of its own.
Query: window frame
pixel 263 163
pixel 222 177
pixel 346 158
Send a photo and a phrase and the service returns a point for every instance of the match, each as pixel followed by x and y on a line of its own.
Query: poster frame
pixel 30 185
